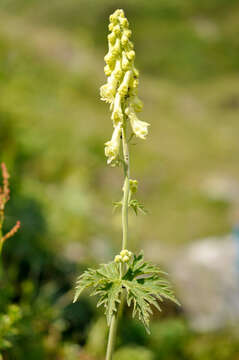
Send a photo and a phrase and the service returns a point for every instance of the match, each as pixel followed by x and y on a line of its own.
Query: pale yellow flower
pixel 112 147
pixel 120 91
pixel 140 128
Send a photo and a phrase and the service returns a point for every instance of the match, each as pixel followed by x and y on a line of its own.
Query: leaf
pixel 110 271
pixel 89 278
pixel 143 282
pixel 116 205
pixel 110 298
pixel 140 268
pixel 137 206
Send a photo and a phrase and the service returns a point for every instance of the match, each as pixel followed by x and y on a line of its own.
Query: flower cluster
pixel 120 91
pixel 124 256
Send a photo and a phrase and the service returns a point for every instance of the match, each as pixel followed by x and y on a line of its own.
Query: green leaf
pixel 137 206
pixel 116 205
pixel 110 298
pixel 142 281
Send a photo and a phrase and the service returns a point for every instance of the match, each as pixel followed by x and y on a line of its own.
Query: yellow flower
pixel 124 87
pixel 117 114
pixel 118 258
pixel 120 91
pixel 112 147
pixel 140 128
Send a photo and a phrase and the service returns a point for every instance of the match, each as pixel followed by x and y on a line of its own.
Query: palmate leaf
pixel 142 282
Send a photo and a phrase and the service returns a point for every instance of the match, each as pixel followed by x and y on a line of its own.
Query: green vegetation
pixel 51 132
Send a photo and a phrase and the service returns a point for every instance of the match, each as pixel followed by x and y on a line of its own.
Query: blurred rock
pixel 207 278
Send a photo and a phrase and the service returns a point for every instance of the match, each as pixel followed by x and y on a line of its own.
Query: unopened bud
pixel 118 258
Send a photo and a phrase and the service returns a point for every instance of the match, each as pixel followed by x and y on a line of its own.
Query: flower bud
pixel 110 59
pixel 124 22
pixel 119 12
pixel 125 62
pixel 116 30
pixel 118 258
pixel 133 184
pixel 123 89
pixel 113 18
pixel 111 27
pixel 125 259
pixel 117 114
pixel 118 70
pixel 131 55
pixel 124 252
pixel 111 38
pixel 107 70
pixel 116 48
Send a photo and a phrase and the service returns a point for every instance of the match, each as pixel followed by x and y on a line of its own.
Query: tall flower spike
pixel 121 88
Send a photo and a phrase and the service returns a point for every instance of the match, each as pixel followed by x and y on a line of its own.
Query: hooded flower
pixel 112 147
pixel 140 128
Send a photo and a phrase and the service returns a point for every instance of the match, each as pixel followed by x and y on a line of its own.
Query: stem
pixel 112 336
pixel 125 205
pixel 126 190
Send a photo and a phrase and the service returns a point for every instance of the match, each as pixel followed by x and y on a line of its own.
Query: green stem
pixel 126 190
pixel 112 336
pixel 125 205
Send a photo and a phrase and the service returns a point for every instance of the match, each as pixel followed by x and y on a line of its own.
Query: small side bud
pixel 111 38
pixel 125 259
pixel 107 70
pixel 116 30
pixel 131 55
pixel 133 185
pixel 118 259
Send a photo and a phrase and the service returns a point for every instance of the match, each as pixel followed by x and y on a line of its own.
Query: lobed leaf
pixel 142 281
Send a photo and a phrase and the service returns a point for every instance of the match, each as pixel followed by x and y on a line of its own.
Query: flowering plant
pixel 128 277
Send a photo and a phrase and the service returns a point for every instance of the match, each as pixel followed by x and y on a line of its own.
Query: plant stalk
pixel 125 205
pixel 126 190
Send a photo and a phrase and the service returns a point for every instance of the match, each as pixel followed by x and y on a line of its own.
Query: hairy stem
pixel 125 205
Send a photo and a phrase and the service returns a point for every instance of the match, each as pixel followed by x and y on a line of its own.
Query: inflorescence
pixel 120 91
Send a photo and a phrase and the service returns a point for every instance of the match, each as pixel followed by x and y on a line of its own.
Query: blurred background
pixel 52 130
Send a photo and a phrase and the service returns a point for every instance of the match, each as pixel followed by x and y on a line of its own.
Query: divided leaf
pixel 142 281
pixel 137 206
